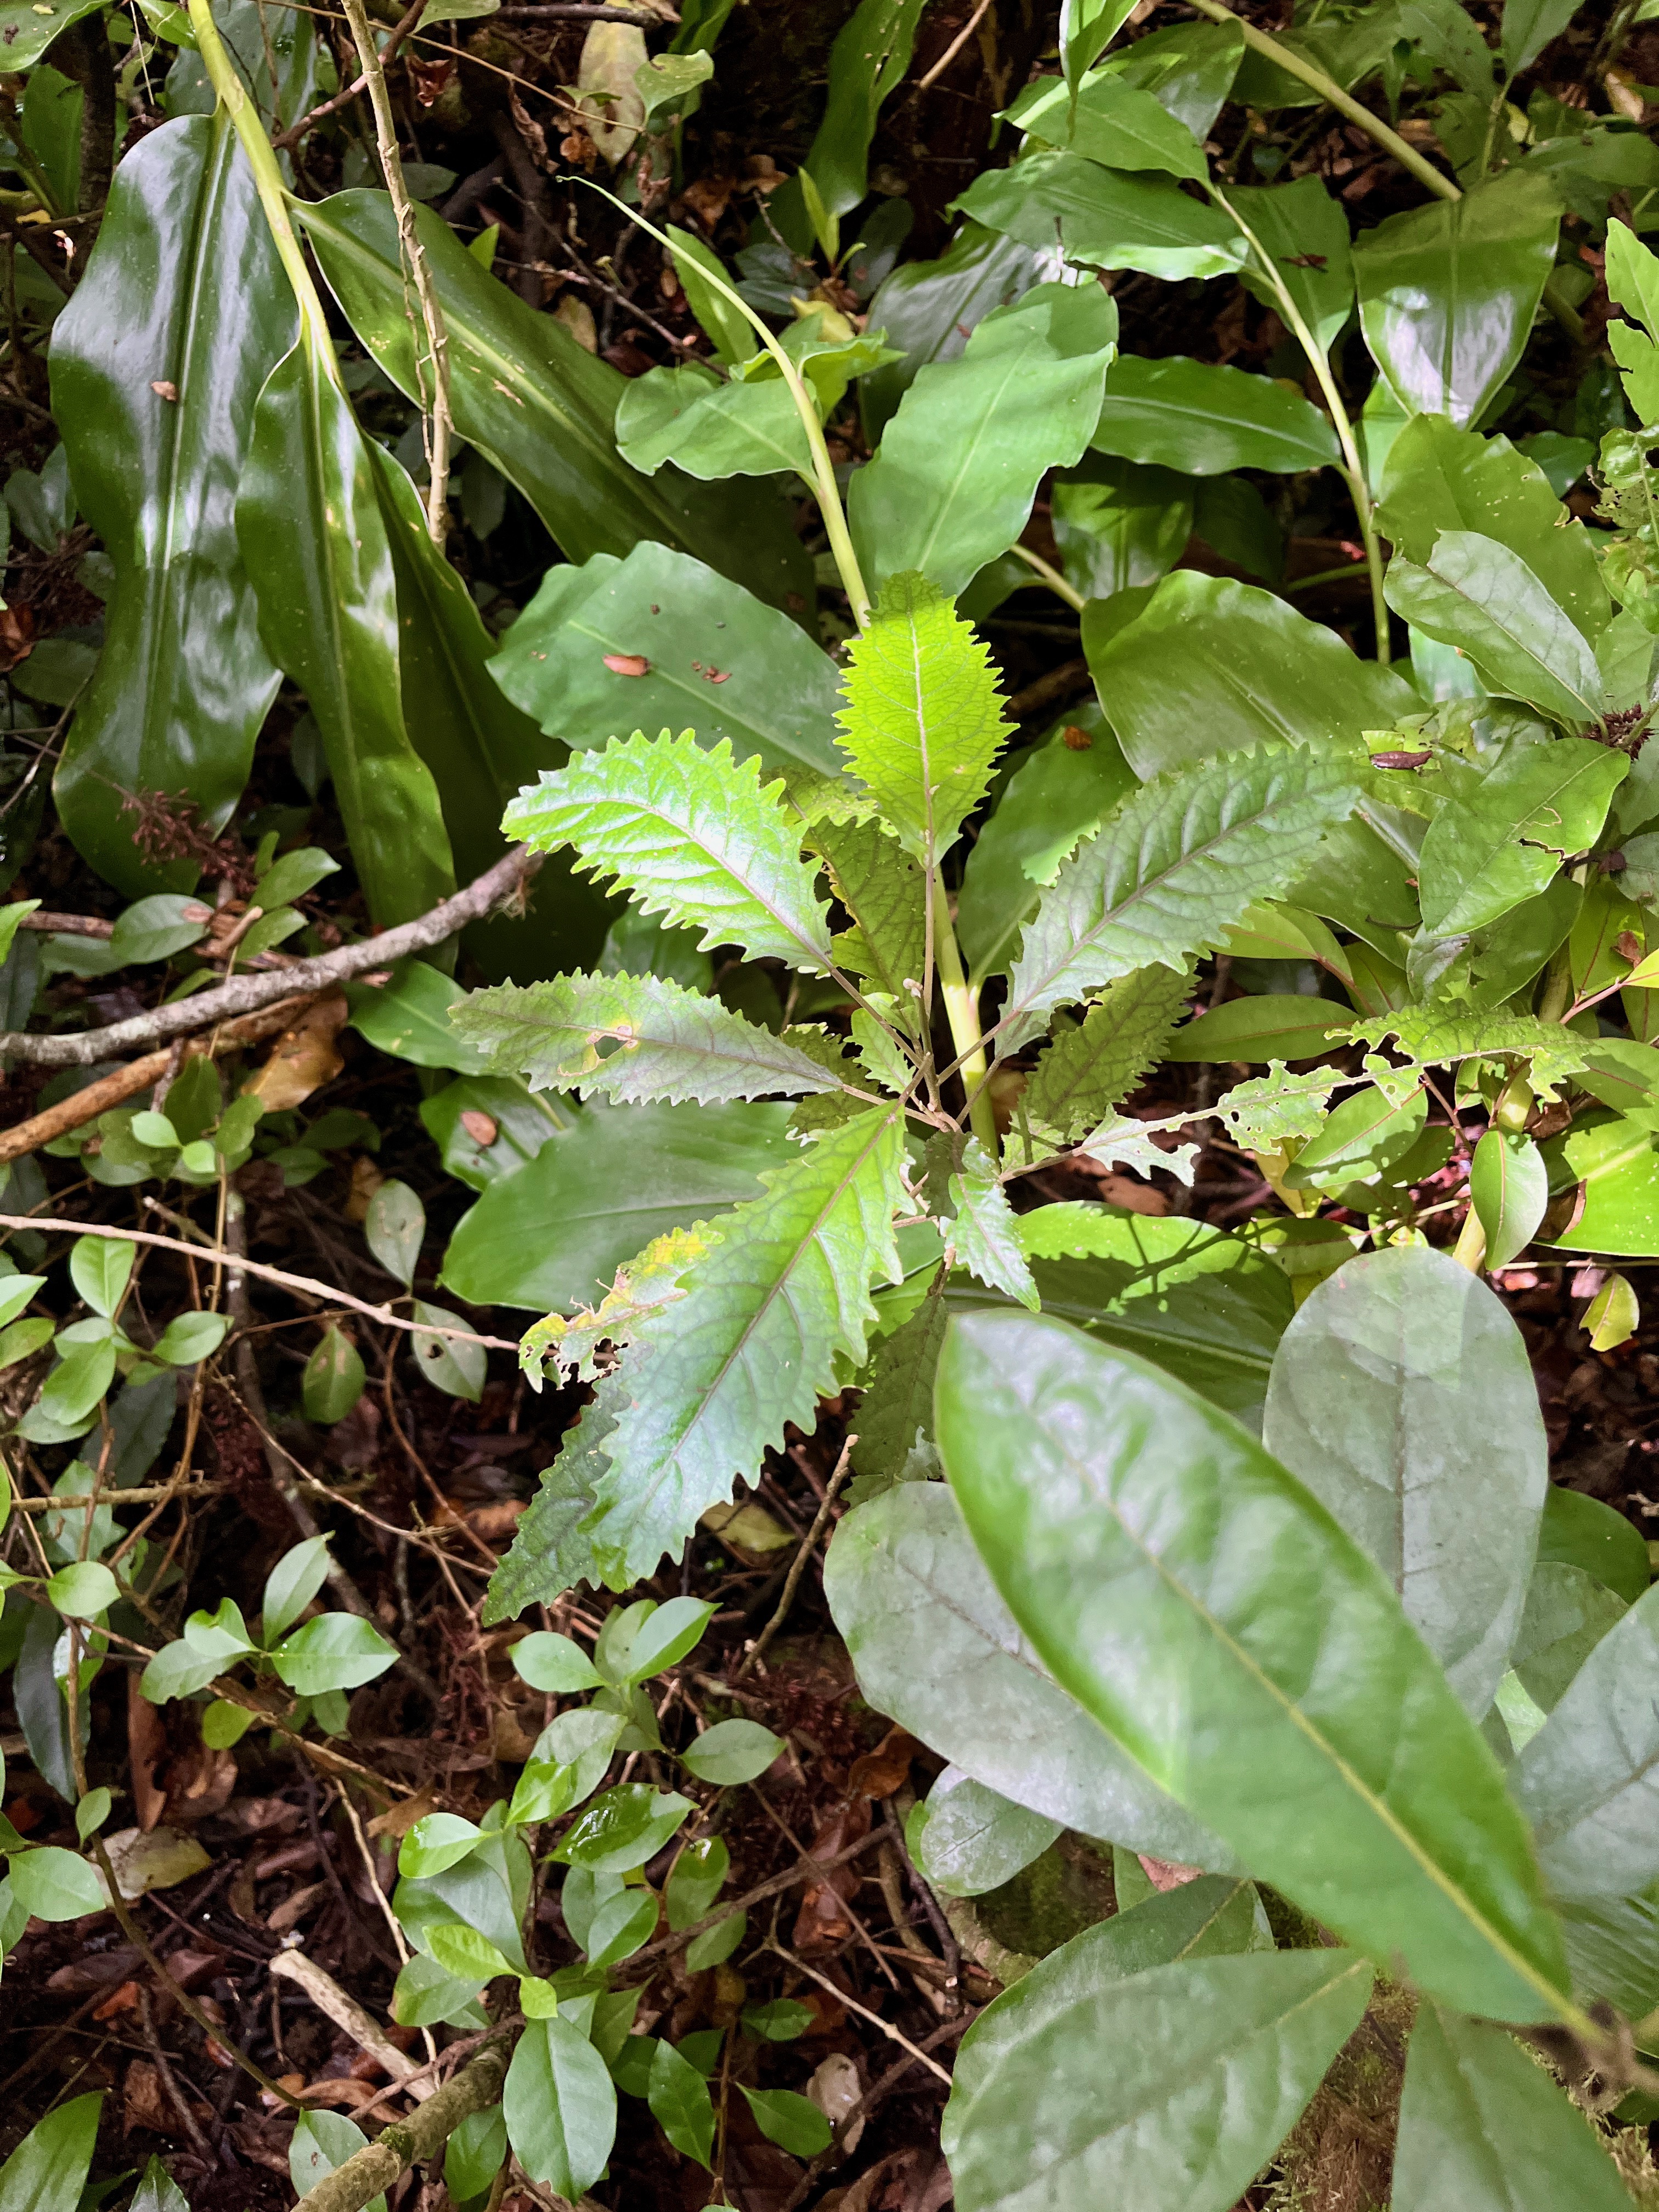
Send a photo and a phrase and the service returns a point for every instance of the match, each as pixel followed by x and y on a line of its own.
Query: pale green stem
pixel 1375 129
pixel 823 471
pixel 1051 576
pixel 962 1012
pixel 267 180
pixel 1354 467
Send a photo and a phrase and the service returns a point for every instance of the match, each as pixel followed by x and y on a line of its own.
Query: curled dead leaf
pixel 303 1058
pixel 879 1772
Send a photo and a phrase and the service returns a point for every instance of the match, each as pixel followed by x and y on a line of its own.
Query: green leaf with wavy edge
pixel 693 835
pixel 1431 1037
pixel 1090 1070
pixel 981 1227
pixel 882 887
pixel 923 722
pixel 665 1043
pixel 713 1378
pixel 958 467
pixel 1180 859
pixel 1344 1772
pixel 1213 2062
pixel 894 1421
pixel 1271 1109
pixel 1483 2128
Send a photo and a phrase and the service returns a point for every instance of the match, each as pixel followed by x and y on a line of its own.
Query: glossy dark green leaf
pixel 1509 1188
pixel 1402 1396
pixel 409 1016
pixel 1204 420
pixel 1480 597
pixel 1347 47
pixel 1115 123
pixel 27 33
pixel 1118 524
pixel 308 523
pixel 1447 292
pixel 935 1647
pixel 477 746
pixel 1108 219
pixel 1498 842
pixel 1483 2128
pixel 1614 1161
pixel 867 62
pixel 183 290
pixel 965 1839
pixel 680 2103
pixel 1169 2086
pixel 1439 477
pixel 1190 68
pixel 553 1234
pixel 1305 233
pixel 333 1380
pixel 1582 1532
pixel 1211 664
pixel 717 660
pixel 1341 1767
pixel 560 2105
pixel 1589 1780
pixel 927 310
pixel 952 484
pixel 1283 1025
pixel 539 407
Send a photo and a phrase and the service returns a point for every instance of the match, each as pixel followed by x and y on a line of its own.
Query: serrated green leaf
pixel 895 1422
pixel 1430 1038
pixel 882 888
pixel 665 1042
pixel 923 721
pixel 1181 859
pixel 549 1553
pixel 711 1380
pixel 1270 1109
pixel 982 1229
pixel 1091 1069
pixel 693 834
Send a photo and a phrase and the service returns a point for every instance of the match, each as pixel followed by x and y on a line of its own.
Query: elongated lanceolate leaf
pixel 923 722
pixel 693 834
pixel 1091 1069
pixel 1401 1394
pixel 1484 2128
pixel 877 882
pixel 1085 2087
pixel 713 1376
pixel 1116 124
pixel 937 1649
pixel 183 290
pixel 308 522
pixel 715 657
pixel 952 484
pixel 1475 594
pixel 1208 1612
pixel 1204 420
pixel 1501 839
pixel 1180 859
pixel 1633 283
pixel 663 1041
pixel 1589 1781
pixel 930 309
pixel 538 406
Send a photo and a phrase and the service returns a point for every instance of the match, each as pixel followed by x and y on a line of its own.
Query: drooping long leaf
pixel 183 290
pixel 1090 1069
pixel 936 1649
pixel 1401 1394
pixel 1180 859
pixel 538 407
pixel 958 467
pixel 725 663
pixel 693 833
pixel 716 1375
pixel 663 1041
pixel 308 523
pixel 1086 2085
pixel 923 725
pixel 1447 292
pixel 1209 1613
pixel 1484 2128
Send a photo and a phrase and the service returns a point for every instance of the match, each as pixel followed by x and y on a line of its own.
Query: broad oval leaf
pixel 965 1839
pixel 1402 1396
pixel 560 2104
pixel 1509 1188
pixel 1109 218
pixel 936 1649
pixel 1502 842
pixel 1475 594
pixel 1250 1657
pixel 1089 2084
